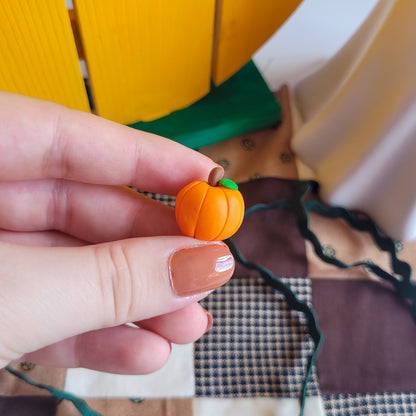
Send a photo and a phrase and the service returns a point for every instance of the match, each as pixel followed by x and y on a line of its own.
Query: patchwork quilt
pixel 254 361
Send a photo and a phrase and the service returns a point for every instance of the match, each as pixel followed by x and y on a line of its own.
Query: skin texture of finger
pixel 182 326
pixel 40 139
pixel 94 213
pixel 79 289
pixel 41 239
pixel 117 350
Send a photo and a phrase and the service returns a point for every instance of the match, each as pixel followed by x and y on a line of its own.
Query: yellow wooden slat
pixel 38 56
pixel 146 58
pixel 242 26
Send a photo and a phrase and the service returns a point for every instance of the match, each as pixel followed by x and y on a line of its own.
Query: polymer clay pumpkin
pixel 208 212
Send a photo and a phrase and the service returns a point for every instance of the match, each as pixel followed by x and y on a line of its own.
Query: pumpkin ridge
pixel 200 207
pixel 228 213
pixel 183 192
pixel 183 200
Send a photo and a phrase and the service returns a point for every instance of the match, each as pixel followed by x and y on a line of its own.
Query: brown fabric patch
pixel 265 153
pixel 126 407
pixel 369 338
pixel 12 386
pixel 28 405
pixel 340 240
pixel 271 237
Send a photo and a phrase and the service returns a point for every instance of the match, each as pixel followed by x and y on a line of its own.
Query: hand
pixel 81 255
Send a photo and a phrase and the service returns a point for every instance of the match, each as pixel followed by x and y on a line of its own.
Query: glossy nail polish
pixel 199 269
pixel 210 321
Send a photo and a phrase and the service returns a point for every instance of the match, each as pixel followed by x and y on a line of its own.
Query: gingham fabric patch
pixel 391 404
pixel 257 346
pixel 165 199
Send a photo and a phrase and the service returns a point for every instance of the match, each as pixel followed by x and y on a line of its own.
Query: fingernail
pixel 199 269
pixel 210 321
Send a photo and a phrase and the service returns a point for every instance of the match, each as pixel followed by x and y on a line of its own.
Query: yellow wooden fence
pixel 145 58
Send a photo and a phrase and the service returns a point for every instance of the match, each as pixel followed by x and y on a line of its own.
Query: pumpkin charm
pixel 209 212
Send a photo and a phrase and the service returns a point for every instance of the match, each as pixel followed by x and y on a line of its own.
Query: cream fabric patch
pixel 257 406
pixel 175 379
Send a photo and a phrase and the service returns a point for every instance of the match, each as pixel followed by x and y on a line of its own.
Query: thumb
pixel 49 294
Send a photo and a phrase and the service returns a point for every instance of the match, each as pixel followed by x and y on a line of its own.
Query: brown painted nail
pixel 210 321
pixel 199 269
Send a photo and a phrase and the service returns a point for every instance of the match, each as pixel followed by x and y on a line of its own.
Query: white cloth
pixel 359 120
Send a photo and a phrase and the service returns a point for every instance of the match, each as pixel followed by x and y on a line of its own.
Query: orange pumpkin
pixel 209 212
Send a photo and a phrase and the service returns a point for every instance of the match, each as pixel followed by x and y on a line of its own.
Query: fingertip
pixel 140 357
pixel 183 326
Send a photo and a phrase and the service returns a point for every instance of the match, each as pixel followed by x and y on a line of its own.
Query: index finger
pixel 40 139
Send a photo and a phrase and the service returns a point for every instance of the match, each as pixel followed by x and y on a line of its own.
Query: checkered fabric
pixel 165 199
pixel 257 347
pixel 377 404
